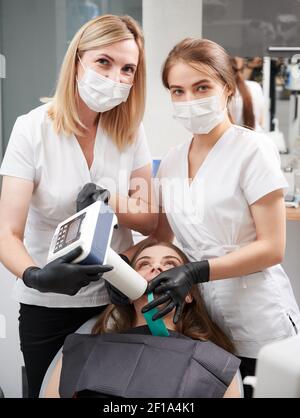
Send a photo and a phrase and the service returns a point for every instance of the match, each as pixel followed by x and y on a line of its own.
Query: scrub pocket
pixel 252 309
pixel 292 323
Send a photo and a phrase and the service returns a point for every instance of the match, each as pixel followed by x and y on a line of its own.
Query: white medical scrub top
pixel 211 217
pixel 58 168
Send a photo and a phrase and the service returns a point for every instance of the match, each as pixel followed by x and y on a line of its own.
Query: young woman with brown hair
pixel 195 324
pixel 222 197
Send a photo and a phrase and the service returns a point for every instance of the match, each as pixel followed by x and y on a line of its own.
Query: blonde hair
pixel 122 122
pixel 196 52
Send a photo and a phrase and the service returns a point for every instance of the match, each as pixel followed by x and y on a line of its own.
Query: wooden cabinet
pixel 293 214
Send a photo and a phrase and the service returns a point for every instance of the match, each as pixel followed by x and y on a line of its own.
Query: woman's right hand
pixel 61 276
pixel 90 194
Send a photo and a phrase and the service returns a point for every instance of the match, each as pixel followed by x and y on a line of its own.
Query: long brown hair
pixel 196 52
pixel 248 112
pixel 194 323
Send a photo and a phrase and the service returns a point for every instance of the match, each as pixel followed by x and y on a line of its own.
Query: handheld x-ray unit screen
pixel 68 233
pixel 73 231
pixel 91 229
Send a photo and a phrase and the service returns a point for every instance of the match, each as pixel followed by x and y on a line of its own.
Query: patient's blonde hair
pixel 122 122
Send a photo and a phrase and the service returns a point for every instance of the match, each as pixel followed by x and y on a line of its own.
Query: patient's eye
pixel 171 263
pixel 143 264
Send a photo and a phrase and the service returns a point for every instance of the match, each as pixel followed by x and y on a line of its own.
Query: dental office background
pixel 34 35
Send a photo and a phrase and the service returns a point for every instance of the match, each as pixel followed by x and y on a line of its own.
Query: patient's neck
pixel 140 321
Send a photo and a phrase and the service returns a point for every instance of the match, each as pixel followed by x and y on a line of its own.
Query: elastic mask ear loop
pixel 81 65
pixel 226 102
pixel 81 62
pixel 158 327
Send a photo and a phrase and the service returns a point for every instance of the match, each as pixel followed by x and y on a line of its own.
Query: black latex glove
pixel 89 194
pixel 60 276
pixel 174 285
pixel 116 296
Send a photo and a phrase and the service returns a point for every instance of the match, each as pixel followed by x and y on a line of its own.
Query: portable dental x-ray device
pixel 92 229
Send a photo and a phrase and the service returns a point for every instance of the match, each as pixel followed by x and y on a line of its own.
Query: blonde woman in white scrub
pixel 90 134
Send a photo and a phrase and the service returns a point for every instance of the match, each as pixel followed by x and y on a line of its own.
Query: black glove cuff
pixel 199 271
pixel 125 258
pixel 116 296
pixel 106 196
pixel 28 277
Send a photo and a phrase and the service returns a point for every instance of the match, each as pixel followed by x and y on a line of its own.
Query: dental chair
pixel 86 328
pixel 278 370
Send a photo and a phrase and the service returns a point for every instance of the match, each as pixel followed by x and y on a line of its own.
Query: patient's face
pixel 153 260
pixel 149 264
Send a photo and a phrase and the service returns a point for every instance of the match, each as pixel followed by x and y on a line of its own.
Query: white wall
pixel 291 262
pixel 165 23
pixel 28 29
pixel 11 359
